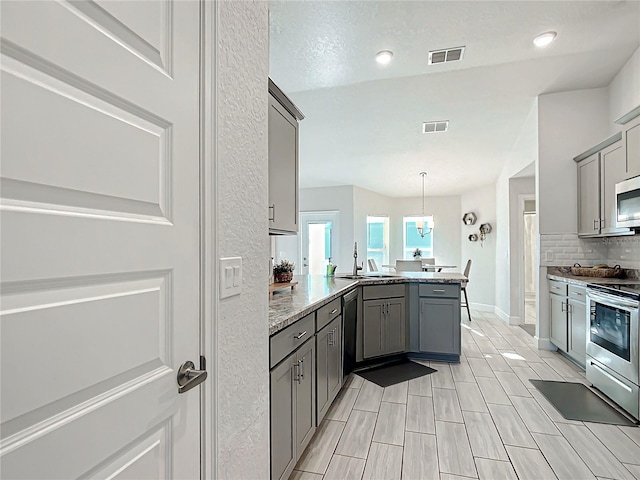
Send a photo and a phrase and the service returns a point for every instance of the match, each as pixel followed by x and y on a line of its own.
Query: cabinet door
pixel 394 325
pixel 282 398
pixel 305 410
pixel 632 138
pixel 334 364
pixel 614 170
pixel 328 366
pixel 440 326
pixel 322 371
pixel 589 195
pixel 558 317
pixel 283 169
pixel 372 318
pixel 578 331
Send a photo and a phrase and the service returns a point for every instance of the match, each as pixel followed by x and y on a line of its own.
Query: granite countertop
pixel 314 291
pixel 564 275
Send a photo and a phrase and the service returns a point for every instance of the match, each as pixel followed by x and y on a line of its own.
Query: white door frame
pixel 320 216
pixel 209 244
pixel 521 203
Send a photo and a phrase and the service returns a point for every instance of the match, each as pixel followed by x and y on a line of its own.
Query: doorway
pixel 529 238
pixel 318 241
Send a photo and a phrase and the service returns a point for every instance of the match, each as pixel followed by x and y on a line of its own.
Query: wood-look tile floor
pixel 480 418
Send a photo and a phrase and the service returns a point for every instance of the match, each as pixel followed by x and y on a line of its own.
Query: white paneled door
pixel 100 239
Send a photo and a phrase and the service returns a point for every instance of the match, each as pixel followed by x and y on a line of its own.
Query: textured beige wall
pixel 242 336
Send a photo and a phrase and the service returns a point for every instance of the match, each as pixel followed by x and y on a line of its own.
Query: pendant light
pixel 422 224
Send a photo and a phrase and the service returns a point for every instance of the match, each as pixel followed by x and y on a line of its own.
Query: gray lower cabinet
pixel 558 320
pixel 329 366
pixel 440 325
pixel 384 326
pixel 577 322
pixel 293 407
pixel 439 318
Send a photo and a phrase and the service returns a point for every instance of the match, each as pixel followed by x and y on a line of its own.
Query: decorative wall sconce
pixel 485 229
pixel 469 218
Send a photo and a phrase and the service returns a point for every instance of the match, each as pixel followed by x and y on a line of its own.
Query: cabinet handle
pixel 272 217
pixel 331 339
pixel 562 309
pixel 335 310
pixel 595 224
pixel 438 290
pixel 578 294
pixel 300 335
pixel 296 377
pixel 301 363
pixel 602 223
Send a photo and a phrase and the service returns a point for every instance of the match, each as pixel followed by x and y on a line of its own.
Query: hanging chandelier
pixel 423 224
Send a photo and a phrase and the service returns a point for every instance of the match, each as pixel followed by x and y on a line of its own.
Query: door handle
pixel 189 377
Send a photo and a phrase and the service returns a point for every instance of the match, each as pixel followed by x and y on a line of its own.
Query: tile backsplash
pixel 567 249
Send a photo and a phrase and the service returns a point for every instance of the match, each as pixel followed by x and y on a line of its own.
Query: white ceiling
pixel 363 121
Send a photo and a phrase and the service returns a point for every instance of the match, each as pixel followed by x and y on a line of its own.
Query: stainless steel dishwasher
pixel 350 318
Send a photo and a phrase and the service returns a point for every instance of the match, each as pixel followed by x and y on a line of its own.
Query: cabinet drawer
pixel 440 290
pixel 557 287
pixel 383 291
pixel 286 341
pixel 327 313
pixel 577 293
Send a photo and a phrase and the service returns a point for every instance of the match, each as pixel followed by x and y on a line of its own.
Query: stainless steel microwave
pixel 628 203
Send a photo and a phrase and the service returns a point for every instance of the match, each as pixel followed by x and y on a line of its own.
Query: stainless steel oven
pixel 612 345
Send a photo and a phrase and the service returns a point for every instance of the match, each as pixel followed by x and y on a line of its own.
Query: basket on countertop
pixel 601 271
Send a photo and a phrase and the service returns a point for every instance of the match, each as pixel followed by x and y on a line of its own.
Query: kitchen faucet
pixel 355 260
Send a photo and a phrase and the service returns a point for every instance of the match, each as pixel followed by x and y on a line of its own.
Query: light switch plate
pixel 230 276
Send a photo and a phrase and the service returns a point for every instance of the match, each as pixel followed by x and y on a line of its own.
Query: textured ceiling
pixel 363 121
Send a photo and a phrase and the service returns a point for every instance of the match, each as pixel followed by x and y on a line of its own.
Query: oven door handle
pixel 612 300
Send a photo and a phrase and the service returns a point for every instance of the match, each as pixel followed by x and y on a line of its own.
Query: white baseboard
pixel 544 344
pixel 482 307
pixel 509 320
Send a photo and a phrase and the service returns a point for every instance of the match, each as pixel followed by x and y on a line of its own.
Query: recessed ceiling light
pixel 383 57
pixel 544 39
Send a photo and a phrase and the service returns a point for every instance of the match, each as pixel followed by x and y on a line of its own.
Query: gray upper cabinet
pixel 283 162
pixel 384 320
pixel 599 169
pixel 329 365
pixel 632 144
pixel 589 196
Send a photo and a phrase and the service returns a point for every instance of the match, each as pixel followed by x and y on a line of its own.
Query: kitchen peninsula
pixel 324 327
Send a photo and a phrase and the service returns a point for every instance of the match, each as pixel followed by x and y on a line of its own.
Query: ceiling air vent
pixel 444 56
pixel 435 127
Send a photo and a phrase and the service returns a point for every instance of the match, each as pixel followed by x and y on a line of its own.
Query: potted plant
pixel 283 271
pixel 417 254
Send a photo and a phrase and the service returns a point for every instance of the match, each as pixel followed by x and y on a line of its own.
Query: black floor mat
pixel 530 328
pixel 390 374
pixel 575 401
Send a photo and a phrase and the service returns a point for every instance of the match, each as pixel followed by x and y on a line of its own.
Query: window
pixel 378 240
pixel 413 240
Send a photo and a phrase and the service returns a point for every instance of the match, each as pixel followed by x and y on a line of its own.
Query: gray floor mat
pixel 576 401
